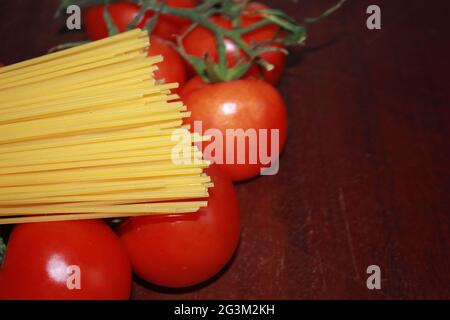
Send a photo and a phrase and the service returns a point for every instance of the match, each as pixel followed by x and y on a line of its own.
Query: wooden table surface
pixel 365 177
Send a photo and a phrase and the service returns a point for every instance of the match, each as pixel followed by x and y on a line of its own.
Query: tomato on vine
pixel 230 45
pixel 201 42
pixel 122 14
pixel 264 34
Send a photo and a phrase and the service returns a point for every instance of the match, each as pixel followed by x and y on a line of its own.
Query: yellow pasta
pixel 87 133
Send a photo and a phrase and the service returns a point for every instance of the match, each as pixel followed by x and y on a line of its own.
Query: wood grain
pixel 365 178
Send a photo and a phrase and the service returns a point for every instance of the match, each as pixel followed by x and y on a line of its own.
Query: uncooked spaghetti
pixel 88 133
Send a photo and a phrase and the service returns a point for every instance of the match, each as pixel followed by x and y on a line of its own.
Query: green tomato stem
pixel 293 33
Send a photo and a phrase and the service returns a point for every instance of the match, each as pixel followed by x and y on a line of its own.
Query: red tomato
pixel 168 25
pixel 122 13
pixel 42 259
pixel 172 69
pixel 181 4
pixel 184 250
pixel 241 104
pixel 164 28
pixel 197 83
pixel 201 41
pixel 192 85
pixel 276 58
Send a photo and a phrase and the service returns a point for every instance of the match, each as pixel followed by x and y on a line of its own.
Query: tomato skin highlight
pixel 185 250
pixel 38 255
pixel 240 104
pixel 172 69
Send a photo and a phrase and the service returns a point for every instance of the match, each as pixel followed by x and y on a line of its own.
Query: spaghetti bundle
pixel 88 133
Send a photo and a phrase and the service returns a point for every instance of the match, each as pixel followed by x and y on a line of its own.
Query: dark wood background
pixel 365 178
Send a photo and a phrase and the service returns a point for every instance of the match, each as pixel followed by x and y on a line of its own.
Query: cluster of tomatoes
pixel 170 251
pixel 88 260
pixel 256 103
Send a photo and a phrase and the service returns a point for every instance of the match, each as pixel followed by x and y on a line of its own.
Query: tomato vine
pixel 291 32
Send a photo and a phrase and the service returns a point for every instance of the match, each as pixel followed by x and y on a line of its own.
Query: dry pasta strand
pixel 88 133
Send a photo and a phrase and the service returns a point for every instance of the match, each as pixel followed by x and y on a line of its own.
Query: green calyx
pixel 291 32
pixel 218 71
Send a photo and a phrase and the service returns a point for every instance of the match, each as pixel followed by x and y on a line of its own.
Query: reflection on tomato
pixel 246 104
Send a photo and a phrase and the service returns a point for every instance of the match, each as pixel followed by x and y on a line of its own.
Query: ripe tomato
pixel 184 250
pixel 172 69
pixel 201 41
pixel 42 259
pixel 240 104
pixel 122 13
pixel 181 4
pixel 276 58
pixel 192 85
pixel 168 25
